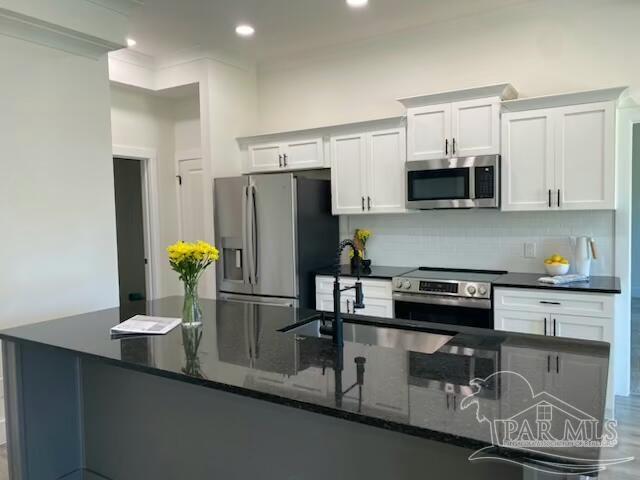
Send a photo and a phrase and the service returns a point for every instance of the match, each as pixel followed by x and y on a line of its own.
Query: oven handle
pixel 482 303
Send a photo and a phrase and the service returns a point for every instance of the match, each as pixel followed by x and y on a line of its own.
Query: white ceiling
pixel 163 28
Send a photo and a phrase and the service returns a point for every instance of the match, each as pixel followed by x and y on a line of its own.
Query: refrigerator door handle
pixel 253 220
pixel 245 242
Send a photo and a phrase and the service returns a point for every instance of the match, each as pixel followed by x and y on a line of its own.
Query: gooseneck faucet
pixel 336 330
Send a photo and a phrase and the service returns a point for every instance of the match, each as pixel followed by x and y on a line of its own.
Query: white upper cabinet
pixel 527 160
pixel 428 132
pixel 461 123
pixel 348 159
pixel 265 158
pixel 303 154
pixel 458 129
pixel 288 155
pixel 385 171
pixel 367 172
pixel 558 152
pixel 585 157
pixel 475 127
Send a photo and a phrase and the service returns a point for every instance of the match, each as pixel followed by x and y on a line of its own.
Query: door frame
pixel 148 162
pixel 626 119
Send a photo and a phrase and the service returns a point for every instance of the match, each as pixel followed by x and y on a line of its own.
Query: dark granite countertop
pixel 376 271
pixel 403 388
pixel 530 280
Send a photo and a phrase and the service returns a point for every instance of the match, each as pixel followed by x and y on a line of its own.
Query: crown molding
pixel 197 53
pixel 123 7
pixel 133 57
pixel 38 31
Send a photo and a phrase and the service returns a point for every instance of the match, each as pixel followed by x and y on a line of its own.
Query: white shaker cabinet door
pixel 585 157
pixel 475 127
pixel 528 161
pixel 385 171
pixel 521 322
pixel 304 154
pixel 265 158
pixel 429 132
pixel 348 155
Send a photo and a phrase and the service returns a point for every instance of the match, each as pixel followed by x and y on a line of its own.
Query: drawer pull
pixel 544 302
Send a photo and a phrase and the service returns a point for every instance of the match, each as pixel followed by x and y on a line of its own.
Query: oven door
pixel 469 312
pixel 469 182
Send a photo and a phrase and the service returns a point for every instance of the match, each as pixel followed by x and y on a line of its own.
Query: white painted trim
pixel 33 30
pixel 627 117
pixel 150 211
pixel 564 99
pixel 123 7
pixel 505 91
pixel 188 154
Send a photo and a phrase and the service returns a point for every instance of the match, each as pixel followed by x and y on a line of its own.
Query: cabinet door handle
pixel 369 202
pixel 446 146
pixel 453 146
pixel 558 364
pixel 363 204
pixel 447 401
pixel 554 327
pixel 558 197
pixel 548 363
pixel 545 302
pixel 280 161
pixel 549 198
pixel 455 399
pixel 545 326
pixel 284 159
pixel 348 306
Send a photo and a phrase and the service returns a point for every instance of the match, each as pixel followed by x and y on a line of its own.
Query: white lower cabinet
pixel 377 296
pixel 584 316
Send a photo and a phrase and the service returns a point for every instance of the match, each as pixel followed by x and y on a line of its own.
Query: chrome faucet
pixel 336 330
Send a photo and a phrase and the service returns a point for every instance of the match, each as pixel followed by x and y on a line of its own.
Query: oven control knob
pixel 398 283
pixel 482 291
pixel 471 290
pixel 406 285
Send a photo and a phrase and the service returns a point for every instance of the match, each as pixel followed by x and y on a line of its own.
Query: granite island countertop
pixel 403 388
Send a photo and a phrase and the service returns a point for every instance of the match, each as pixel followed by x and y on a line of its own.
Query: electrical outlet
pixel 530 250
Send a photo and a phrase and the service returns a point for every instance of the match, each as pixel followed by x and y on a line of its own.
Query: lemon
pixel 564 261
pixel 548 261
pixel 556 258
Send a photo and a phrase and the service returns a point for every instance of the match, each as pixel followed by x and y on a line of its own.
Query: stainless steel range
pixel 449 296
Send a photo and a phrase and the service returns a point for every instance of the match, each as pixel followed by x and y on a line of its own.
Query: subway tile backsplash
pixel 485 239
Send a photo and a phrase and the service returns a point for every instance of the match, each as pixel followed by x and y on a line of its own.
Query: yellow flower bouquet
pixel 360 238
pixel 190 260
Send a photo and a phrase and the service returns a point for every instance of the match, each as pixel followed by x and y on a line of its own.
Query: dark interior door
pixel 130 230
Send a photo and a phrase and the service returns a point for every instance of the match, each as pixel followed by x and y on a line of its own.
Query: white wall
pixel 57 215
pixel 145 120
pixel 483 239
pixel 542 47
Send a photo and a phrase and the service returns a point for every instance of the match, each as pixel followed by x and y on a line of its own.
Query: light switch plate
pixel 529 250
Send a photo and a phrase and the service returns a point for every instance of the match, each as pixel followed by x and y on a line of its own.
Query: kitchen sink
pixel 382 336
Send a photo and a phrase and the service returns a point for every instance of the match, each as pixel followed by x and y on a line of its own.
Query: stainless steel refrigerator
pixel 273 231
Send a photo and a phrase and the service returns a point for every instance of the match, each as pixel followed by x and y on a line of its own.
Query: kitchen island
pixel 248 396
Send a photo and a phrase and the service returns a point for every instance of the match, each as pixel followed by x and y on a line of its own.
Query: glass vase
pixel 191 312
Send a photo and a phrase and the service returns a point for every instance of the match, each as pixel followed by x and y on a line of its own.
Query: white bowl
pixel 558 269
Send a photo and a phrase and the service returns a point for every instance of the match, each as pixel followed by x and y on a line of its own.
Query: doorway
pixel 130 229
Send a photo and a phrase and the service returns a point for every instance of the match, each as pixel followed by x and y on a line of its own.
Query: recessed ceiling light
pixel 131 42
pixel 357 3
pixel 245 30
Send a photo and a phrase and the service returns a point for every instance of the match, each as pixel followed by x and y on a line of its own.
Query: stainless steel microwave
pixel 469 182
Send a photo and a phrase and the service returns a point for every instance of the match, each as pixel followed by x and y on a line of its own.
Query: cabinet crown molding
pixel 564 99
pixel 504 91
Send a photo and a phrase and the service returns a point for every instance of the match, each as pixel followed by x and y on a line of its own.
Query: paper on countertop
pixel 564 279
pixel 145 325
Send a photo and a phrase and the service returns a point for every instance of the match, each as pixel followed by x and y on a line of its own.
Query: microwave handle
pixel 472 183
